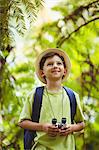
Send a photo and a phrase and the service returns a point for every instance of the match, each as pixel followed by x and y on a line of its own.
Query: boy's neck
pixel 54 86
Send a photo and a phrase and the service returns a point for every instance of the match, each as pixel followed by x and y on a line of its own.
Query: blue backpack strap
pixel 29 135
pixel 37 104
pixel 73 103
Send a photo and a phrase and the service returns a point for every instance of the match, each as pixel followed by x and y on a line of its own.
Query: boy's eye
pixel 59 63
pixel 49 64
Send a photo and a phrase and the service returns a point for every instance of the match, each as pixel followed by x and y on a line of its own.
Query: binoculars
pixel 59 124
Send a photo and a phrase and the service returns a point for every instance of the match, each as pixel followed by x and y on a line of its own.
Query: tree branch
pixel 63 38
pixel 79 11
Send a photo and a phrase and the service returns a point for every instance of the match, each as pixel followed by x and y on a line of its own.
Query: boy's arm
pixel 28 124
pixel 45 127
pixel 78 127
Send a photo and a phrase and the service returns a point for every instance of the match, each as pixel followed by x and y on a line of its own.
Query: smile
pixel 55 71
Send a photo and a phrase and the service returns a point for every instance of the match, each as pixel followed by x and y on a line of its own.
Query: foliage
pixel 13 16
pixel 76 32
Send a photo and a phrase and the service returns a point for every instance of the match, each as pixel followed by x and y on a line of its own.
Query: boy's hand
pixel 50 129
pixel 64 131
pixel 71 128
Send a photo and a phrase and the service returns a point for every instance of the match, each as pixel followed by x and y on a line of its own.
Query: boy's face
pixel 53 69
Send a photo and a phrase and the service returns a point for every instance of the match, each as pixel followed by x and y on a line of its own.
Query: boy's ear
pixel 65 71
pixel 42 73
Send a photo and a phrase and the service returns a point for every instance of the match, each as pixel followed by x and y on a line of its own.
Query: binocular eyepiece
pixel 59 124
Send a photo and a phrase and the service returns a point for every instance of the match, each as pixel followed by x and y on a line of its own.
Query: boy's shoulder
pixel 75 93
pixel 31 93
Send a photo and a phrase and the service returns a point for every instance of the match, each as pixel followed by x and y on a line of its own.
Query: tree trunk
pixel 4 7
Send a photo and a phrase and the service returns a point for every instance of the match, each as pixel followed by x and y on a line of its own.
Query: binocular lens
pixel 63 120
pixel 54 121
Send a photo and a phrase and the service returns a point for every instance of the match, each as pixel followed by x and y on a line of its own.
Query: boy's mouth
pixel 55 71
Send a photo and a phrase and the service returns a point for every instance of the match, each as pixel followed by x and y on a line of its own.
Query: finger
pixel 64 132
pixel 53 129
pixel 67 130
pixel 52 132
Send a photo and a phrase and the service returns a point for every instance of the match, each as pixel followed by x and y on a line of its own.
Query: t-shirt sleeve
pixel 79 117
pixel 27 108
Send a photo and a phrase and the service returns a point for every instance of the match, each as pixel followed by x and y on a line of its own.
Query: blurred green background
pixel 27 27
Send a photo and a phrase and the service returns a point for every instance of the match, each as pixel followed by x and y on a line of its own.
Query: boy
pixel 52 68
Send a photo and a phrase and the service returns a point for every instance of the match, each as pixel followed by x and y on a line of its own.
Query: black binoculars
pixel 59 124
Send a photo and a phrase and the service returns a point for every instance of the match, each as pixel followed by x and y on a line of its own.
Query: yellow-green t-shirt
pixel 54 105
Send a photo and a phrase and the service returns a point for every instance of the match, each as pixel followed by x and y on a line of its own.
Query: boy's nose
pixel 55 65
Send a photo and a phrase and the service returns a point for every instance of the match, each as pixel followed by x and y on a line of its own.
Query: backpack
pixel 29 135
